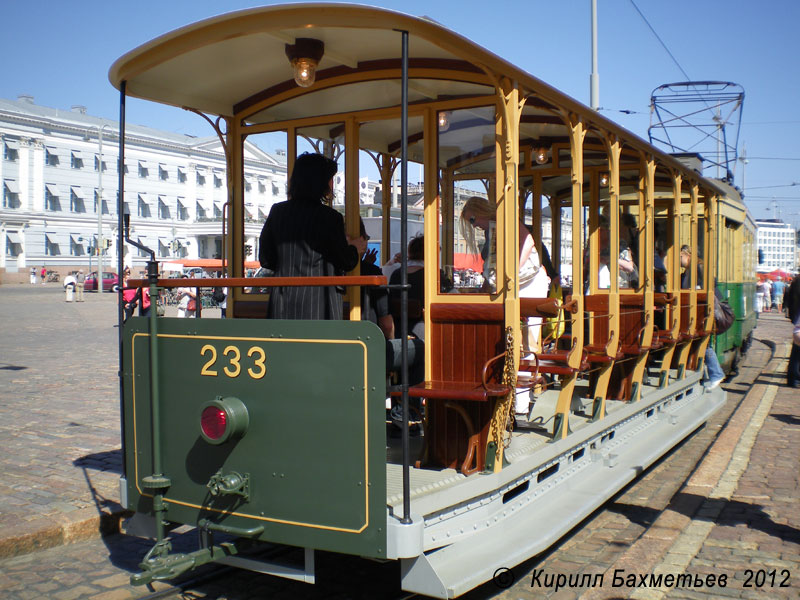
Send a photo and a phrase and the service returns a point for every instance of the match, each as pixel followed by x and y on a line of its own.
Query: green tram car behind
pixel 259 431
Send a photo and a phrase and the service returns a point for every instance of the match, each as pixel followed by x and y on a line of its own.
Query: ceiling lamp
pixel 540 155
pixel 305 55
pixel 444 120
pixel 603 179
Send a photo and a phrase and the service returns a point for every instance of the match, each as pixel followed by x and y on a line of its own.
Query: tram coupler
pixel 159 564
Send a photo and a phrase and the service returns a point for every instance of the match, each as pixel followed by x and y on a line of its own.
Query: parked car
pixel 110 282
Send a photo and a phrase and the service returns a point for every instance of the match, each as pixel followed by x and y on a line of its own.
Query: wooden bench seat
pixel 452 390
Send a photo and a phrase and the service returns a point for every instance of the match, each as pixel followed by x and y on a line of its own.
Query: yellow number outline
pixel 260 362
pixel 206 367
pixel 234 362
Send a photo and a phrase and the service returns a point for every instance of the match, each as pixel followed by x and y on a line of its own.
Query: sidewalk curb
pixel 39 534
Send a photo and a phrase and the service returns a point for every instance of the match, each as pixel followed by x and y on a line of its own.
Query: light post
pixel 99 245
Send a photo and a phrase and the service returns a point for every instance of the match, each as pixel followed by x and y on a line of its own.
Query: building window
pixel 139 251
pixel 51 197
pixel 10 194
pixel 262 186
pixel 217 211
pixel 76 204
pixel 10 150
pixel 163 209
pixel 76 160
pixel 76 245
pixel 217 180
pixel 182 174
pixel 13 244
pixel 183 213
pixel 275 190
pixel 201 212
pixel 163 173
pixel 143 170
pixel 51 157
pixel 142 207
pixel 201 178
pixel 97 163
pixel 163 248
pixel 51 245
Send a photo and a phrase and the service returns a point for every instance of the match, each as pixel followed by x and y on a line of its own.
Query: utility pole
pixel 594 78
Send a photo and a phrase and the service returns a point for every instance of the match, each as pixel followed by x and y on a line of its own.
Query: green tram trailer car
pixel 268 431
pixel 736 274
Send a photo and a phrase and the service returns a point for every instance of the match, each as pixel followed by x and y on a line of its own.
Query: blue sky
pixel 60 53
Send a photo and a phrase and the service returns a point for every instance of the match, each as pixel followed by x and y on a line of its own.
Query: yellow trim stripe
pixel 146 336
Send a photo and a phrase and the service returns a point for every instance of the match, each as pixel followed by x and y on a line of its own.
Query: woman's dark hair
pixel 416 248
pixel 311 176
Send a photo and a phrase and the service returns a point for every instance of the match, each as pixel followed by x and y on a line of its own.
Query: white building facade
pixel 175 190
pixel 777 245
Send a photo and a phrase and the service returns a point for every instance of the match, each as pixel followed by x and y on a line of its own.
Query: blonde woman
pixel 533 280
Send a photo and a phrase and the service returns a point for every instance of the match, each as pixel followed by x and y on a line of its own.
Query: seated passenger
pixel 416 293
pixel 303 237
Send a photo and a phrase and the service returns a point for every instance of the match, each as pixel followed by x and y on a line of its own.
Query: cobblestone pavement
pixel 723 502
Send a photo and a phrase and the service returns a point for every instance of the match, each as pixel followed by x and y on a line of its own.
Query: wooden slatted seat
pixel 597 350
pixel 633 322
pixel 467 346
pixel 449 390
pixel 552 362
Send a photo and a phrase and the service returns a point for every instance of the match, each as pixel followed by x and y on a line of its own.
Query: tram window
pixel 328 140
pixel 467 179
pixel 379 170
pixel 274 143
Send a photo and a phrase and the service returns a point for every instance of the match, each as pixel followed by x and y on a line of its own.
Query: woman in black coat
pixel 303 237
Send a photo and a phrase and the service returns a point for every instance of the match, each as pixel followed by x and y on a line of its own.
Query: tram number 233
pixel 232 363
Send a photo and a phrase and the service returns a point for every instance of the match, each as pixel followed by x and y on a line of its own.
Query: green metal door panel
pixel 313 454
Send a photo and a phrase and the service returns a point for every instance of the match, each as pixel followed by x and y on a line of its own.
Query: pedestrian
pixel 80 280
pixel 44 275
pixel 792 302
pixel 187 302
pixel 778 289
pixel 69 287
pixel 33 275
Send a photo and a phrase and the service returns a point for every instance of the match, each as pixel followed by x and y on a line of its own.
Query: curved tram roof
pixel 235 64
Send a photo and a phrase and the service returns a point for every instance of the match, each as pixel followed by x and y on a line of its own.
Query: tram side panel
pixel 302 406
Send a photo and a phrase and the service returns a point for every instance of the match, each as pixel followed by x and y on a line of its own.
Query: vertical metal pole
pixel 404 279
pixel 120 210
pixel 594 78
pixel 100 211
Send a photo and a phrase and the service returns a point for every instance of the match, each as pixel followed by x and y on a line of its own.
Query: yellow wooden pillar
pixel 646 212
pixel 707 283
pixel 430 224
pixel 577 133
pixel 509 109
pixel 352 205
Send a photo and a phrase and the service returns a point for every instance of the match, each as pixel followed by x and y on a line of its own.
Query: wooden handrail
pixel 236 282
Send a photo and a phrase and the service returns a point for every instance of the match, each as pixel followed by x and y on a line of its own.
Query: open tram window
pixel 327 139
pixel 272 150
pixel 379 184
pixel 466 160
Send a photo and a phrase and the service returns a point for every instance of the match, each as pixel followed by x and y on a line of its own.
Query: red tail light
pixel 213 421
pixel 223 419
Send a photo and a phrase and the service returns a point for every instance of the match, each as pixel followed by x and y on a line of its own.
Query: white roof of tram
pixel 225 64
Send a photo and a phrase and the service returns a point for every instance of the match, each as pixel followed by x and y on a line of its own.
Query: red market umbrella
pixel 784 275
